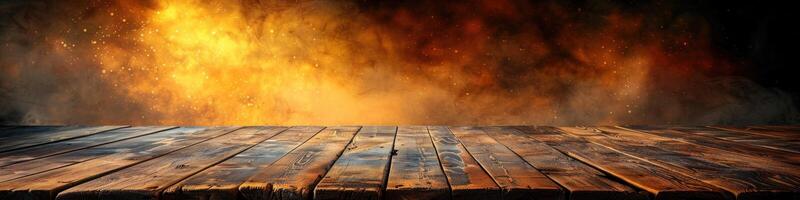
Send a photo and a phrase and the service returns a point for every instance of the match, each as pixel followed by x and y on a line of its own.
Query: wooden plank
pixel 792 128
pixel 581 180
pixel 747 177
pixel 41 151
pixel 222 181
pixel 146 180
pixel 746 138
pixel 360 173
pixel 466 177
pixel 726 145
pixel 786 135
pixel 18 170
pixel 21 141
pixel 42 179
pixel 516 178
pixel 29 130
pixel 662 183
pixel 741 160
pixel 294 175
pixel 725 157
pixel 415 170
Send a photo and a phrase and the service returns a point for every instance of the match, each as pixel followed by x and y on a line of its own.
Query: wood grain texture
pixel 67 170
pixel 294 176
pixel 792 128
pixel 18 131
pixel 747 177
pixel 21 141
pixel 741 137
pixel 410 162
pixel 783 134
pixel 582 181
pixel 222 181
pixel 41 151
pixel 516 178
pixel 730 158
pixel 727 145
pixel 466 177
pixel 146 180
pixel 360 172
pixel 663 184
pixel 37 166
pixel 415 172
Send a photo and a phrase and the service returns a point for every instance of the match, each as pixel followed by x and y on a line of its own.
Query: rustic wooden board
pixel 733 159
pixel 518 179
pixel 360 172
pixel 741 177
pixel 76 167
pixel 466 177
pixel 741 137
pixel 415 170
pixel 662 183
pixel 146 180
pixel 785 135
pixel 791 128
pixel 668 162
pixel 18 131
pixel 151 141
pixel 45 150
pixel 21 141
pixel 727 145
pixel 222 181
pixel 581 180
pixel 295 175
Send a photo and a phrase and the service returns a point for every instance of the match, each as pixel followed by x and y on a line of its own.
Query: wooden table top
pixel 405 162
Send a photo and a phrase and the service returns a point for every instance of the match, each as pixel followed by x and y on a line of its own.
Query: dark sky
pixel 759 36
pixel 762 35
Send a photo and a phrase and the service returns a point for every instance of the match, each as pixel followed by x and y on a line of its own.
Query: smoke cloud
pixel 355 62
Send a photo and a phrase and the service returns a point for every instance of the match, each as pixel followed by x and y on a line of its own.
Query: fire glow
pixel 334 62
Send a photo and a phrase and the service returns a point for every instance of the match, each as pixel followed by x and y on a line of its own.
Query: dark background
pixel 763 36
pixel 760 37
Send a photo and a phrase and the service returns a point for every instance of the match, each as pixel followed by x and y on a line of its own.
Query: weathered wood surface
pixel 19 141
pixel 582 181
pixel 32 130
pixel 360 172
pixel 415 172
pixel 739 160
pixel 663 184
pixel 517 179
pixel 466 177
pixel 44 178
pixel 793 128
pixel 115 149
pixel 727 145
pixel 146 180
pixel 789 135
pixel 36 152
pixel 222 181
pixel 407 162
pixel 295 175
pixel 742 137
pixel 747 177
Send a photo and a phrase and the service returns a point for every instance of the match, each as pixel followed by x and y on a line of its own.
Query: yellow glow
pixel 317 62
pixel 206 59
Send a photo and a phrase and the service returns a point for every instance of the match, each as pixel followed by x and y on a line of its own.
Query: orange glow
pixel 333 62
